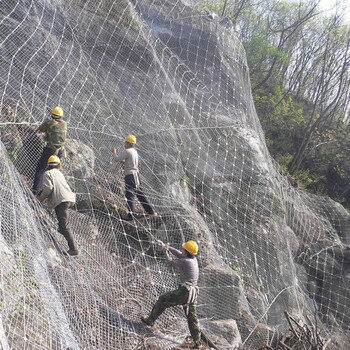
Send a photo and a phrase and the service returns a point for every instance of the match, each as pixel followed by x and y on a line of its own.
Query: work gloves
pixel 160 243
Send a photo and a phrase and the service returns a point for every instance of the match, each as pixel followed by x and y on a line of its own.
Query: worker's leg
pixel 130 193
pixel 193 323
pixel 63 224
pixel 173 298
pixel 141 196
pixel 144 202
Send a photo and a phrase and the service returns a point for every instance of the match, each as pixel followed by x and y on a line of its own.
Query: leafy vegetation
pixel 299 63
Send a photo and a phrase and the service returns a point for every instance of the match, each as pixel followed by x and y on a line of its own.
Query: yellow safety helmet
pixel 54 160
pixel 191 247
pixel 57 111
pixel 131 139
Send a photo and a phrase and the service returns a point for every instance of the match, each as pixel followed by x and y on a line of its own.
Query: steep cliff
pixel 179 81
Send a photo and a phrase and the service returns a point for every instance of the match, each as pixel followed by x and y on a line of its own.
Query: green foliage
pixel 215 6
pixel 284 161
pixel 282 118
pixel 291 115
pixel 305 179
pixel 14 154
pixel 236 269
pixel 326 166
pixel 260 54
pixel 299 71
pixel 328 163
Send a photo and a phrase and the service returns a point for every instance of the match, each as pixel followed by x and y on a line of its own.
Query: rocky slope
pixel 179 81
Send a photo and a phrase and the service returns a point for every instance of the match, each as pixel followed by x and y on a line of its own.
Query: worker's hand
pixel 32 127
pixel 159 242
pixel 40 135
pixel 114 150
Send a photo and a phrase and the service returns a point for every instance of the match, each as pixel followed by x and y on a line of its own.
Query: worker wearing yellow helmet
pixel 55 133
pixel 60 197
pixel 130 158
pixel 187 292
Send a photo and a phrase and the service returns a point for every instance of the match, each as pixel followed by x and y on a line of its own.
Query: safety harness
pixel 192 295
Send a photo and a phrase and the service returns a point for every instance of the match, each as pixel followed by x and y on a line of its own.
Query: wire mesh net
pixel 179 81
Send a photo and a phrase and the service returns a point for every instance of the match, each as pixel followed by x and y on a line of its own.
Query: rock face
pixel 179 81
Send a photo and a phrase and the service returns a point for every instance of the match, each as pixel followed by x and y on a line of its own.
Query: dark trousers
pixel 131 191
pixel 63 223
pixel 40 168
pixel 179 297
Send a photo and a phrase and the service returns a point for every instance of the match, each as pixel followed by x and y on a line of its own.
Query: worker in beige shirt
pixel 59 197
pixel 130 158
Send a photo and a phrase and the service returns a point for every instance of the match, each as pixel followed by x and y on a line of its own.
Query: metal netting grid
pixel 118 67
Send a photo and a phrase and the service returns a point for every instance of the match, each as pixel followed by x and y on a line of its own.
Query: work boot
pixel 69 238
pixel 152 213
pixel 147 321
pixel 127 217
pixel 72 252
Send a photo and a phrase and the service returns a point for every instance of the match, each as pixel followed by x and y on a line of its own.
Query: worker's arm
pixel 121 156
pixel 175 252
pixel 176 262
pixel 169 253
pixel 42 127
pixel 47 187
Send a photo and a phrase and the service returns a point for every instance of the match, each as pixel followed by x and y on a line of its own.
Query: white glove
pixel 159 242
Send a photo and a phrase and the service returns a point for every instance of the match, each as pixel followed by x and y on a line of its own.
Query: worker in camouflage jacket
pixel 187 292
pixel 55 130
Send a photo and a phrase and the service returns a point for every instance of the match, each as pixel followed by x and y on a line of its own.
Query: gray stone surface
pixel 180 82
